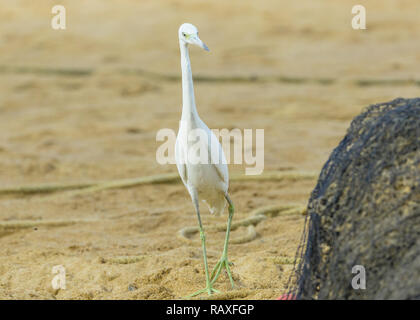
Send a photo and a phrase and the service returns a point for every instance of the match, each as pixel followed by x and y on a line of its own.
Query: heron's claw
pixel 210 290
pixel 222 263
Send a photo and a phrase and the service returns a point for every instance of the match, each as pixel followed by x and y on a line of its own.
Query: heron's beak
pixel 197 41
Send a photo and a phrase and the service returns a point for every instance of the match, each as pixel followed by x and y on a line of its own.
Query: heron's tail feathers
pixel 216 206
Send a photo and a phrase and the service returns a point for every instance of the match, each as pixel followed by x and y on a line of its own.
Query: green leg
pixel 209 285
pixel 224 262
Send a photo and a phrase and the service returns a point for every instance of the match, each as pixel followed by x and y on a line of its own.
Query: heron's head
pixel 189 34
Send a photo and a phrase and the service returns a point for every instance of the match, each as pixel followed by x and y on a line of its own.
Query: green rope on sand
pixel 123 259
pixel 255 217
pixel 90 187
pixel 24 224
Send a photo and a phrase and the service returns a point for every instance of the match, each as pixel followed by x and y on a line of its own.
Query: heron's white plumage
pixel 206 181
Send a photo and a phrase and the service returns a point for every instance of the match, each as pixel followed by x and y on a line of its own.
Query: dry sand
pixel 99 122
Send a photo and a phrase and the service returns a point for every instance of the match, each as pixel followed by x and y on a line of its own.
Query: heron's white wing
pixel 182 169
pixel 220 163
pixel 180 161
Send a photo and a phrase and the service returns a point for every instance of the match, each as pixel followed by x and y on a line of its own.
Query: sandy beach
pixel 84 105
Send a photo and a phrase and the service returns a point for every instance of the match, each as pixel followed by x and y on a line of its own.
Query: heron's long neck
pixel 189 111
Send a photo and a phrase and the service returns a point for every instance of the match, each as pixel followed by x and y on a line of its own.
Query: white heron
pixel 204 180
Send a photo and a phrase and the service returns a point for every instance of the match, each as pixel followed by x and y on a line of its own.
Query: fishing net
pixel 365 211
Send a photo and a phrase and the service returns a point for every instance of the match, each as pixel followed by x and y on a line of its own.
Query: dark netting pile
pixel 365 210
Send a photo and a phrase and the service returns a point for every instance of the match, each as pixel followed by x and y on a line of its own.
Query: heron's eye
pixel 184 34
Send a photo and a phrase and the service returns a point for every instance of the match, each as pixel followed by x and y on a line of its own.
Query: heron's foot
pixel 222 263
pixel 209 289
